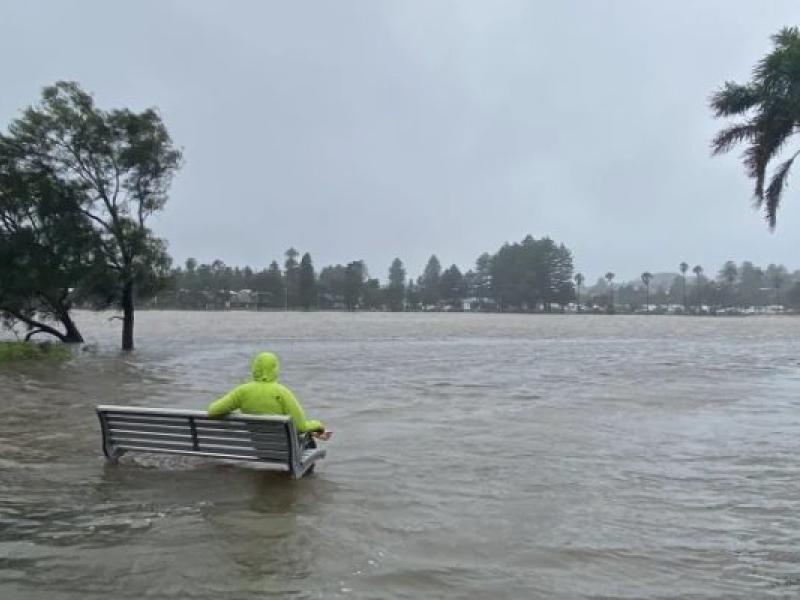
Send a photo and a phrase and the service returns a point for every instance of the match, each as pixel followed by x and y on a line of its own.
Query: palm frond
pixel 772 197
pixel 786 37
pixel 733 99
pixel 773 131
pixel 729 137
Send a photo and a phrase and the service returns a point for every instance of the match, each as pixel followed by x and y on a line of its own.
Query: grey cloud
pixel 381 129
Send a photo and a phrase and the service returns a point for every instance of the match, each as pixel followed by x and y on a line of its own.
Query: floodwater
pixel 475 456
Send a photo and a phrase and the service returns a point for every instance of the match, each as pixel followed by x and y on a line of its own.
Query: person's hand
pixel 323 435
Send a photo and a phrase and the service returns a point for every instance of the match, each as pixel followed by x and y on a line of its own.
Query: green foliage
pixel 118 164
pixel 355 276
pixel 546 265
pixel 291 276
pixel 306 283
pixel 430 290
pixel 14 351
pixel 51 255
pixel 453 287
pixel 532 274
pixel 373 295
pixel 396 290
pixel 413 296
pixel 769 104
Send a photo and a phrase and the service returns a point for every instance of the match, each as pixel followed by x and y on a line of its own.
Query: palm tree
pixel 698 271
pixel 684 267
pixel 771 112
pixel 646 278
pixel 578 283
pixel 609 279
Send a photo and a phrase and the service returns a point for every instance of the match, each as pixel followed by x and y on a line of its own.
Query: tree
pixel 413 296
pixel 270 283
pixel 123 163
pixel 306 283
pixel 698 273
pixel 483 278
pixel 429 282
pixel 291 274
pixel 579 279
pixel 452 287
pixel 610 278
pixel 49 252
pixel 729 274
pixel 793 296
pixel 647 277
pixel 354 279
pixel 771 112
pixel 531 274
pixel 776 275
pixel 372 294
pixel 684 267
pixel 557 277
pixel 395 292
pixel 331 286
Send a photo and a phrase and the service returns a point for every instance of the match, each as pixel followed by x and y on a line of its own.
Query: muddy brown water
pixel 475 456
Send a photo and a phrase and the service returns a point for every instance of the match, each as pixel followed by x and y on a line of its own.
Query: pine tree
pixel 395 293
pixel 430 291
pixel 291 274
pixel 306 283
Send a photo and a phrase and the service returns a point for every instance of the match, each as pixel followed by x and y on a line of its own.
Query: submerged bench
pixel 263 438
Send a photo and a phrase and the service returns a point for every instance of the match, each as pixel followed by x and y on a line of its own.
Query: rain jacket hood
pixel 266 367
pixel 264 395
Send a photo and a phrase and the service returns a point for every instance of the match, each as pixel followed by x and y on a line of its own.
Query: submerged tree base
pixel 12 351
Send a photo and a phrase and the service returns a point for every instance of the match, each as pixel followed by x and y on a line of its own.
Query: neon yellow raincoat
pixel 265 396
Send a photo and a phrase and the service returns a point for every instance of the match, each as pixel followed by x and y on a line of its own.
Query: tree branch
pixel 34 324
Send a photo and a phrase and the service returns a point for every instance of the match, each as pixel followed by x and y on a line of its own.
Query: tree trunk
pixel 127 316
pixel 71 335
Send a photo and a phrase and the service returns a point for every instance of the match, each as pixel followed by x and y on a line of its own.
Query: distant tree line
pixel 734 287
pixel 531 275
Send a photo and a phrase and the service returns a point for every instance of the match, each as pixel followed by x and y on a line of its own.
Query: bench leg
pixel 112 454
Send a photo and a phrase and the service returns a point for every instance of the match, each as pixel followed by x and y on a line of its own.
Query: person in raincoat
pixel 265 396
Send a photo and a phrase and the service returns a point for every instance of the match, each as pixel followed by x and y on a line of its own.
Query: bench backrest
pixel 251 437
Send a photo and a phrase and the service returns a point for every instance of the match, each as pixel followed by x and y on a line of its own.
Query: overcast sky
pixel 369 130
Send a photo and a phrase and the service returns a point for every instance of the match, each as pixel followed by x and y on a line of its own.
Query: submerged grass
pixel 12 351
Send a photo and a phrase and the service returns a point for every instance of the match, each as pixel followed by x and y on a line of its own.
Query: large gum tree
pixel 121 163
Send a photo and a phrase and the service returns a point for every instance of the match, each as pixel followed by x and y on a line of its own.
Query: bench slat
pixel 256 447
pixel 246 439
pixel 202 442
pixel 117 434
pixel 142 410
pixel 148 420
pixel 185 428
pixel 204 420
pixel 167 446
pixel 255 426
pixel 243 434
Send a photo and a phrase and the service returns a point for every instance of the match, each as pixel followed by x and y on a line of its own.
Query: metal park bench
pixel 270 439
